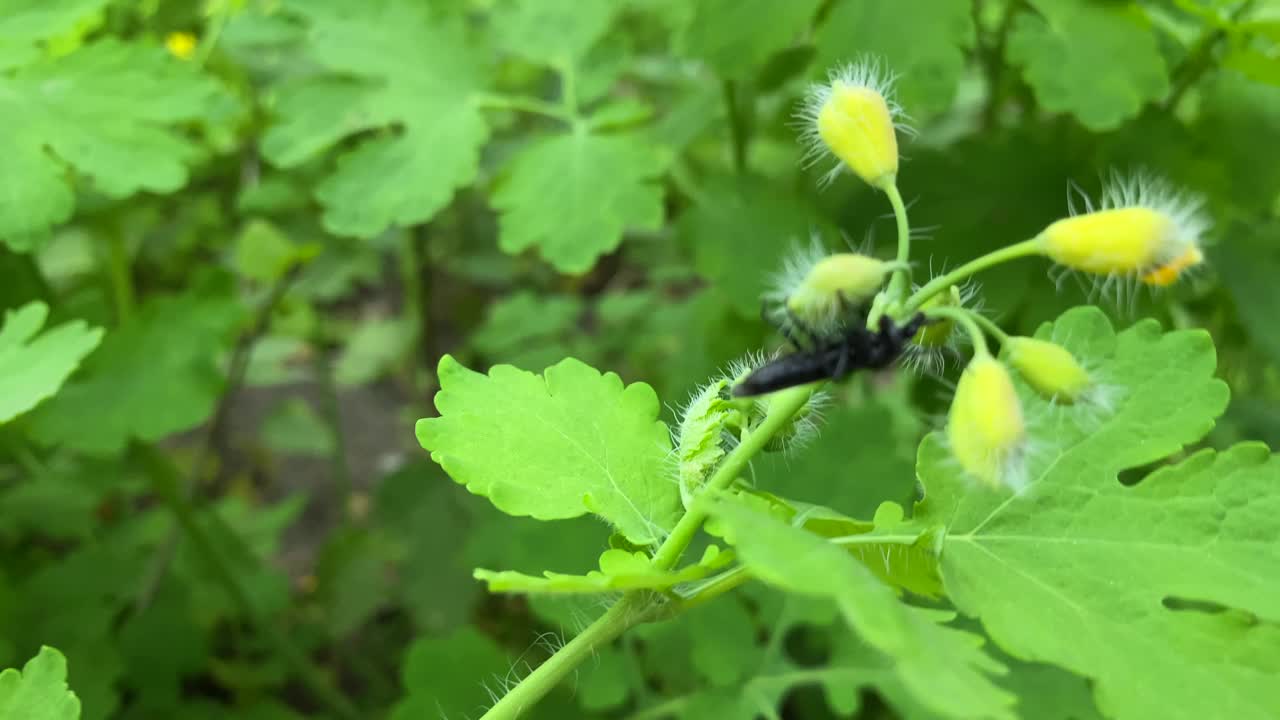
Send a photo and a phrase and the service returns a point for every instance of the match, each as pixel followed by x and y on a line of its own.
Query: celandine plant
pixel 1023 522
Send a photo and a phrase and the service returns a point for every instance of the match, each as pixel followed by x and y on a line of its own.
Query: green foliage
pixel 573 441
pixel 1060 45
pixel 1185 532
pixel 573 195
pixel 40 691
pixel 246 244
pixel 33 367
pixel 105 110
pixel 391 64
pixel 944 669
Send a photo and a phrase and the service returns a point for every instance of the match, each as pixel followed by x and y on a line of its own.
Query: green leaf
pixel 395 66
pixel 561 445
pixel 1160 554
pixel 374 347
pixel 155 376
pixel 1097 61
pixel 24 25
pixel 619 570
pixel 554 32
pixel 40 691
pixel 740 231
pixel 265 253
pixel 294 427
pixel 736 37
pixel 452 675
pixel 921 41
pixel 530 331
pixel 944 669
pixel 1248 266
pixel 34 364
pixel 574 195
pixel 106 111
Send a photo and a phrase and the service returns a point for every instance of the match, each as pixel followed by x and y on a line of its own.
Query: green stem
pixel 900 284
pixel 965 318
pixel 621 616
pixel 990 326
pixel 739 126
pixel 215 32
pixel 714 587
pixel 782 406
pixel 978 264
pixel 167 481
pixel 525 104
pixel 120 275
pixel 1200 59
pixel 638 606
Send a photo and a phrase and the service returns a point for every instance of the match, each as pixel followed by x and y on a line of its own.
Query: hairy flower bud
pixel 1048 367
pixel 853 117
pixel 1143 228
pixel 985 427
pixel 835 280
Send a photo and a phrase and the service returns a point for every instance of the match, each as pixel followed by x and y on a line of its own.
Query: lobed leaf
pixel 560 445
pixel 39 691
pixel 107 111
pixel 574 195
pixel 392 65
pixel 1097 61
pixel 943 669
pixel 34 364
pixel 1165 592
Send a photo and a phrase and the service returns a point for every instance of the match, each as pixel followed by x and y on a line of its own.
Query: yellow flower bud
pixel 181 45
pixel 1143 228
pixel 985 427
pixel 1048 367
pixel 844 277
pixel 853 117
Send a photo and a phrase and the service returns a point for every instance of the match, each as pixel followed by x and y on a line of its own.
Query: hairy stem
pixel 782 406
pixel 167 481
pixel 622 615
pixel 900 283
pixel 640 606
pixel 965 319
pixel 991 259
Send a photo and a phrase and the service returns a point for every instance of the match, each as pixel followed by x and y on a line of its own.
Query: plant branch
pixel 1200 57
pixel 900 284
pixel 965 318
pixel 783 406
pixel 978 264
pixel 643 606
pixel 214 439
pixel 622 615
pixel 120 276
pixel 167 482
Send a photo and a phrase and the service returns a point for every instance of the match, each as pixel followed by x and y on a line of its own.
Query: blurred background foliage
pixel 261 222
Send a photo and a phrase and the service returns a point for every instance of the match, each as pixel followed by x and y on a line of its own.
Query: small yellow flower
pixel 1143 227
pixel 853 116
pixel 181 45
pixel 1048 367
pixel 985 427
